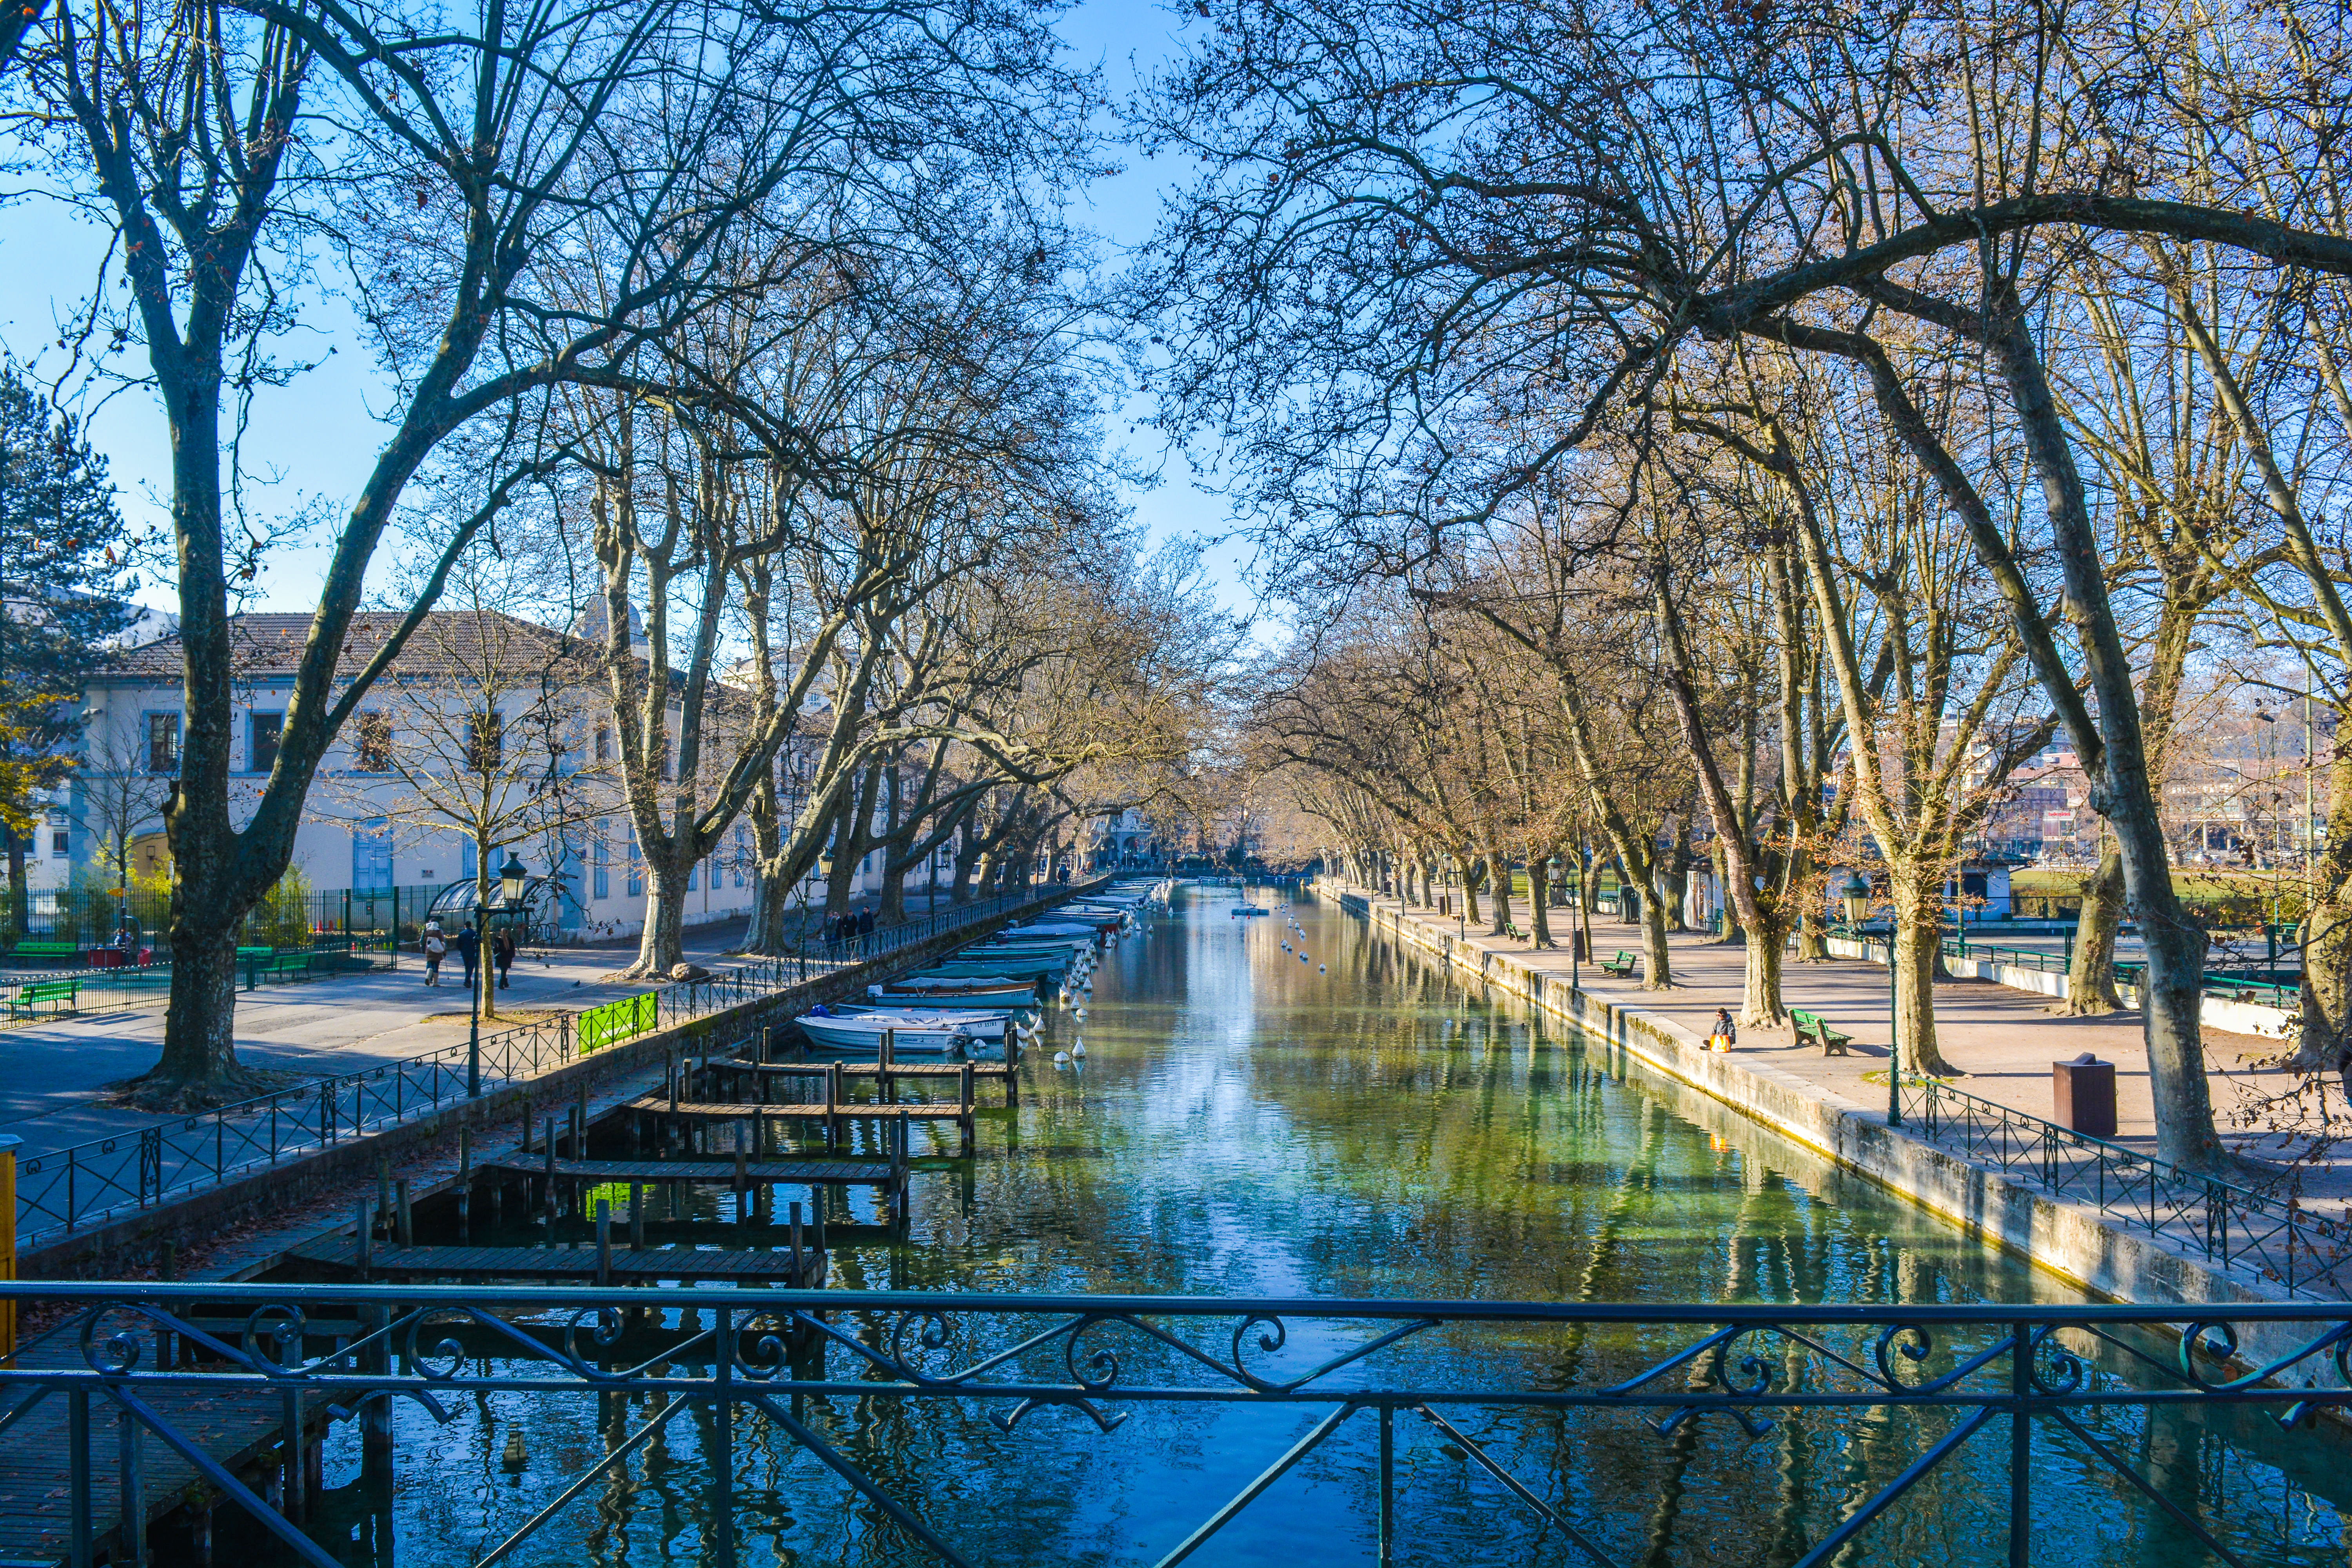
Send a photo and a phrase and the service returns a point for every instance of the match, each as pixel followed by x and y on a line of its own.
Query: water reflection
pixel 1245 1124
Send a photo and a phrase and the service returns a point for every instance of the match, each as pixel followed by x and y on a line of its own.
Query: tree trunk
pixel 2324 1035
pixel 1759 1002
pixel 1469 892
pixel 1499 878
pixel 662 943
pixel 1538 894
pixel 199 1066
pixel 1657 959
pixel 1918 938
pixel 2091 976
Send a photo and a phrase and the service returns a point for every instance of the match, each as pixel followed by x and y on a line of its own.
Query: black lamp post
pixel 1857 898
pixel 512 876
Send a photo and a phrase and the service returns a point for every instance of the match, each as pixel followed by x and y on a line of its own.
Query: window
pixel 603 858
pixel 372 854
pixel 486 741
pixel 261 735
pixel 743 851
pixel 374 749
pixel 691 872
pixel 60 843
pixel 636 868
pixel 163 742
pixel 603 744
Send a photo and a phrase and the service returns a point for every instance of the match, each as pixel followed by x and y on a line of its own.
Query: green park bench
pixel 1812 1026
pixel 55 992
pixel 1622 965
pixel 46 950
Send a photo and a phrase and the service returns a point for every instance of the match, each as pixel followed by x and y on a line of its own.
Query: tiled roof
pixel 270 645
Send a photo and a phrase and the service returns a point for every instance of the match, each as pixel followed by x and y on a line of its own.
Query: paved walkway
pixel 53 1074
pixel 2004 1041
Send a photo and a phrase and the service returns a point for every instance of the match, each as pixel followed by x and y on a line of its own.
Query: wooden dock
pixel 731 1071
pixel 774 1172
pixel 591 1265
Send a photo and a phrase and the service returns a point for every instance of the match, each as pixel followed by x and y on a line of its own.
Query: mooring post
pixel 384 1193
pixel 364 1228
pixel 831 1103
pixel 637 1216
pixel 800 1273
pixel 743 1185
pixel 550 1201
pixel 465 1183
pixel 580 1123
pixel 965 1121
pixel 403 1231
pixel 604 1242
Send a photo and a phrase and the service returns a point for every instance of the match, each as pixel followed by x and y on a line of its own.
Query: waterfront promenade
pixel 2003 1040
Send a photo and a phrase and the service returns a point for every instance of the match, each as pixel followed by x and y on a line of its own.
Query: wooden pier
pixel 731 1072
pixel 589 1265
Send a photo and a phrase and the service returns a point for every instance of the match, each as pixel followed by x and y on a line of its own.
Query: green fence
pixel 617 1021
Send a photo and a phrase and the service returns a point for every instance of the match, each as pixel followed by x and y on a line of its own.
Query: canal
pixel 1265 1112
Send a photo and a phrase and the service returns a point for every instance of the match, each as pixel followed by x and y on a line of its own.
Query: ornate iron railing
pixel 1559 1410
pixel 61 1190
pixel 2279 1238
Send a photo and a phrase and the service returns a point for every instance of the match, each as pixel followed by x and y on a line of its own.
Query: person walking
pixel 469 944
pixel 435 947
pixel 502 954
pixel 865 922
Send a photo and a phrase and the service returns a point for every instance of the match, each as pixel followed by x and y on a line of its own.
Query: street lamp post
pixel 1857 898
pixel 512 876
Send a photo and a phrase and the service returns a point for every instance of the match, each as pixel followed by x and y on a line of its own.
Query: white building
pixel 373 820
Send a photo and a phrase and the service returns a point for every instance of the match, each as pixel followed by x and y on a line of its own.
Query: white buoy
pixel 1060 1057
pixel 1321 970
pixel 1078 1050
pixel 1079 1014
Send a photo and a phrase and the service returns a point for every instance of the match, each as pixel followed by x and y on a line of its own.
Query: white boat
pixel 864 1033
pixel 981 1026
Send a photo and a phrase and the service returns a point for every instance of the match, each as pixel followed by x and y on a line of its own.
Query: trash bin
pixel 2085 1093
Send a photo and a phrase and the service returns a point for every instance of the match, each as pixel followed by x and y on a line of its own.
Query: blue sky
pixel 313 441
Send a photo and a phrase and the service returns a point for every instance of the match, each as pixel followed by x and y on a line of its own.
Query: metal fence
pixel 84 918
pixel 2279 1238
pixel 89 1184
pixel 1551 1431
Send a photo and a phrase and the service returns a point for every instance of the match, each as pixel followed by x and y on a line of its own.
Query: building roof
pixel 270 645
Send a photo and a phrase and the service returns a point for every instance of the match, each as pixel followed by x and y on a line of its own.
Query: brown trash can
pixel 2085 1093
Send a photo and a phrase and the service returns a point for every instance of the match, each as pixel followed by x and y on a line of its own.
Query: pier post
pixel 831 1103
pixel 604 1242
pixel 637 1216
pixel 364 1229
pixel 465 1183
pixel 743 1185
pixel 799 1258
pixel 404 1231
pixel 965 1121
pixel 550 1199
pixel 898 1171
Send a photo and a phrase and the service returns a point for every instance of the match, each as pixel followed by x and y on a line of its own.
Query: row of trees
pixel 1845 400
pixel 751 325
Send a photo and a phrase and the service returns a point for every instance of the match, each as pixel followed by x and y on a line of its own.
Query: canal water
pixel 1341 1120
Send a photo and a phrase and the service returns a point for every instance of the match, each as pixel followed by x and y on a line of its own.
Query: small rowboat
pixel 865 1035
